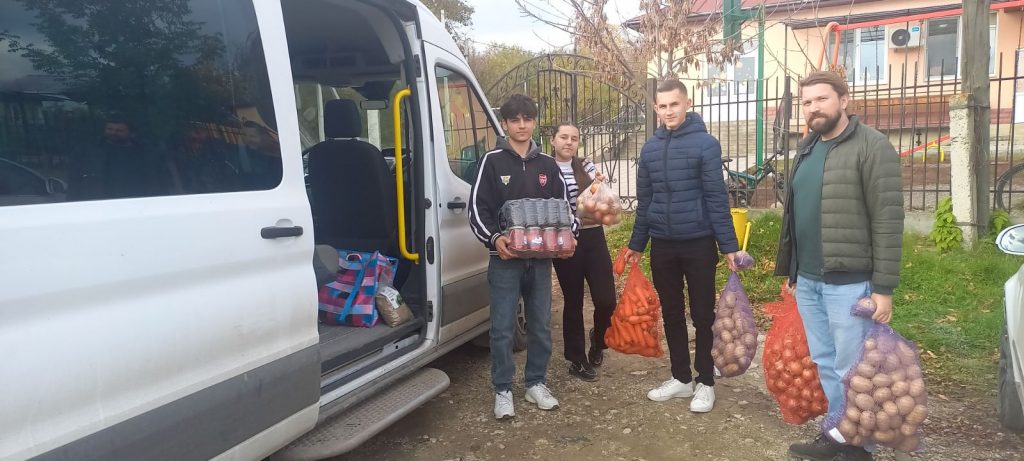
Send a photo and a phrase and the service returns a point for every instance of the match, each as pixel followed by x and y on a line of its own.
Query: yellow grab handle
pixel 400 175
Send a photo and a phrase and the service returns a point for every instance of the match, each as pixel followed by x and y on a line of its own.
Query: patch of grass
pixel 949 303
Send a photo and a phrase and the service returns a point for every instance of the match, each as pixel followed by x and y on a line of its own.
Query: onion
pixel 795 368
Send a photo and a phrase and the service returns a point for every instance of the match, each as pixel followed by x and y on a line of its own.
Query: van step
pixel 357 425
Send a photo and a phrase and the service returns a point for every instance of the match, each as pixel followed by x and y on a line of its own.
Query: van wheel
pixel 1011 415
pixel 518 337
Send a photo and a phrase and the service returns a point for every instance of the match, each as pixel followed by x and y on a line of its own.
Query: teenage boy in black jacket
pixel 516 169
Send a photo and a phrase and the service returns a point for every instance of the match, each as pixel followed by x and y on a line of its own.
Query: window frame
pixel 993 31
pixel 446 124
pixel 883 67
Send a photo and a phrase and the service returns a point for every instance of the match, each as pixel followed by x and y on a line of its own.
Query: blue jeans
pixel 510 280
pixel 833 335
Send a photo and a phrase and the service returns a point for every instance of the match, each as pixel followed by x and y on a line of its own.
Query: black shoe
pixel 821 448
pixel 582 370
pixel 595 355
pixel 849 453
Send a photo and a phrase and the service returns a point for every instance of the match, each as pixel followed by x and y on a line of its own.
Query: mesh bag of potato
pixel 886 398
pixel 789 373
pixel 734 329
pixel 598 204
pixel 635 322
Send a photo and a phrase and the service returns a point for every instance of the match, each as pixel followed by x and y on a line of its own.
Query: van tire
pixel 518 338
pixel 1011 415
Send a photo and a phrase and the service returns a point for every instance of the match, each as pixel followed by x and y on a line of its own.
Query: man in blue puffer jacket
pixel 683 208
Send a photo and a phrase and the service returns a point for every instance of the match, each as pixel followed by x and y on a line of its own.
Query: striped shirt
pixel 570 181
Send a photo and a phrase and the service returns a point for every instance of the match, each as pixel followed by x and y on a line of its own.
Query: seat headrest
pixel 341 119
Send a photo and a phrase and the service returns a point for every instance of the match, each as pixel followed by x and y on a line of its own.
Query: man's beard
pixel 823 124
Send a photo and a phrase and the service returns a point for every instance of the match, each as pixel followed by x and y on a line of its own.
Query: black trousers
pixel 690 265
pixel 592 263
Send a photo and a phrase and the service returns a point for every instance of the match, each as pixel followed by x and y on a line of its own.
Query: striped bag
pixel 349 300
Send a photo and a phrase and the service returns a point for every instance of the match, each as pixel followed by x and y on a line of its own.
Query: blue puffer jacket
pixel 681 194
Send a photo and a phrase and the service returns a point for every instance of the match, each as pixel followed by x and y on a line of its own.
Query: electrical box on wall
pixel 903 35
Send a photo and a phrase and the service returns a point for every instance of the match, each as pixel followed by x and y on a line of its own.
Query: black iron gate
pixel 612 120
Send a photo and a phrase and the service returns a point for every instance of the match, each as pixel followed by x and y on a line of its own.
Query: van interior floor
pixel 340 345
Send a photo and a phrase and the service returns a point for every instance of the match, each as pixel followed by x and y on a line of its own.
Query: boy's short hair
pixel 671 84
pixel 518 105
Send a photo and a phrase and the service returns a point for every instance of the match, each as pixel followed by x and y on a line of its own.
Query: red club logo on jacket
pixel 543 178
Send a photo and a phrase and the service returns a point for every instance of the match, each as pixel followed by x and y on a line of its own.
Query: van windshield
pixel 107 100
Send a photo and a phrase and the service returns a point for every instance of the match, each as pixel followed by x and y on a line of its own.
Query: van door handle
pixel 457 204
pixel 277 232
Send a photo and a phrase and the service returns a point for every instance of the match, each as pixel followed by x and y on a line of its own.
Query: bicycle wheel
pixel 1010 189
pixel 738 194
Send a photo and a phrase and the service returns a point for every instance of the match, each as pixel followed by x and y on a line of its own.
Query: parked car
pixel 1011 350
pixel 21 185
pixel 169 310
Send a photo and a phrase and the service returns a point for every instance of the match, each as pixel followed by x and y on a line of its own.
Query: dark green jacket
pixel 861 211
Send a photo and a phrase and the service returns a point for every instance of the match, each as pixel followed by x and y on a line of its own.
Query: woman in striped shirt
pixel 591 262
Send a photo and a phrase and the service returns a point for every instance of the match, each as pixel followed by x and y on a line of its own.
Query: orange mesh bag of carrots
pixel 789 373
pixel 635 323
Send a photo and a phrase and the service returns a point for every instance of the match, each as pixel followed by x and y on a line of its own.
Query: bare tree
pixel 666 40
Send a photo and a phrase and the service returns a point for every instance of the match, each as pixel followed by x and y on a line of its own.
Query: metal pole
pixel 760 87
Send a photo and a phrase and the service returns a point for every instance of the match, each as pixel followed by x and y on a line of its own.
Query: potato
pixel 729 352
pixel 608 220
pixel 865 402
pixel 914 372
pixel 917 415
pixel 749 340
pixel 720 362
pixel 905 405
pixel 743 361
pixel 866 370
pixel 895 422
pixel 723 313
pixel 715 353
pixel 882 419
pixel 886 343
pixel 863 431
pixel 852 413
pixel 908 429
pixel 882 395
pixel 847 428
pixel 898 375
pixel 740 349
pixel 900 388
pixel 857 441
pixel 726 337
pixel 867 420
pixel 873 357
pixel 731 369
pixel 728 324
pixel 892 363
pixel 916 388
pixel 860 384
pixel 881 380
pixel 729 299
pixel 870 344
pixel 885 436
pixel 891 408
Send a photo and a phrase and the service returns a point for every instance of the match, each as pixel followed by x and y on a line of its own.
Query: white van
pixel 169 169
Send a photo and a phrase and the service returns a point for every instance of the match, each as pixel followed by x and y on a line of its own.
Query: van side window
pixel 468 131
pixel 106 100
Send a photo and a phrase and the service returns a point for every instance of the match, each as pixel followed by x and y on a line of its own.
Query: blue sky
pixel 501 21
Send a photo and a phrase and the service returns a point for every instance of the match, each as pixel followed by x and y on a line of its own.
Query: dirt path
pixel 612 419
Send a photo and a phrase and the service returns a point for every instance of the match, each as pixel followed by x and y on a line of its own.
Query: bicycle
pixel 1010 186
pixel 742 185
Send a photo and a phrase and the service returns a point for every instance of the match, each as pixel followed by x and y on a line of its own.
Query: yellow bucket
pixel 739 221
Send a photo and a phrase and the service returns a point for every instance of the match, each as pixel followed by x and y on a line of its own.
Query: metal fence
pixel 909 107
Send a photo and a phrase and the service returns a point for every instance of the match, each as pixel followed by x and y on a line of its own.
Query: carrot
pixel 649 340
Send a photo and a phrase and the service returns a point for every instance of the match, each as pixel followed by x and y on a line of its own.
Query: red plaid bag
pixel 349 300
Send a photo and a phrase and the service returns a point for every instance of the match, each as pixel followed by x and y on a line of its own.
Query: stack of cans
pixel 538 228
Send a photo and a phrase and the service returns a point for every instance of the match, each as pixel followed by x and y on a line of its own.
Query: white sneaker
pixel 541 395
pixel 703 399
pixel 503 406
pixel 669 389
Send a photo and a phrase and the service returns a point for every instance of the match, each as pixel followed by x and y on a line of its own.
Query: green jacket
pixel 861 211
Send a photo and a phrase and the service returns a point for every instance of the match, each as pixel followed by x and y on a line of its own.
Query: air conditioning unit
pixel 904 36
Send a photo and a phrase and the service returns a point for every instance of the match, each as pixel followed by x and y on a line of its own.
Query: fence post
pixel 963 181
pixel 651 116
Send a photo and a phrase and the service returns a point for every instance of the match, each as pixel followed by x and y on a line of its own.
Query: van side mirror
pixel 56 186
pixel 1011 240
